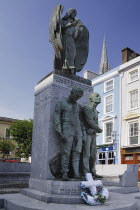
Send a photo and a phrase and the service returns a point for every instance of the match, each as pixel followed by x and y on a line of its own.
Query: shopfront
pixel 106 155
pixel 131 155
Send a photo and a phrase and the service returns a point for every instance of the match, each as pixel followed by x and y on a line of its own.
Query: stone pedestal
pixel 52 191
pixel 46 143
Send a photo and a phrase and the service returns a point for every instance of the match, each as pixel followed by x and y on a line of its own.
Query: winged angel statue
pixel 70 40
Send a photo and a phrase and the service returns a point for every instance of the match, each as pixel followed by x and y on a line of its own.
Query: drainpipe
pixel 120 118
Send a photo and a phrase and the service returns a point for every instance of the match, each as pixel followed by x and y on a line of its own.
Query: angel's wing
pixel 82 46
pixel 55 35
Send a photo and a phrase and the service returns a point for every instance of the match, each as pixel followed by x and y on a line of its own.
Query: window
pixel 128 157
pixel 108 132
pixel 7 134
pixel 133 132
pixel 111 157
pixel 109 85
pixel 133 99
pixel 9 153
pixel 101 158
pixel 133 75
pixel 109 104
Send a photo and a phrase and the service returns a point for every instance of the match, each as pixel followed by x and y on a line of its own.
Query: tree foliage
pixel 21 130
pixel 6 146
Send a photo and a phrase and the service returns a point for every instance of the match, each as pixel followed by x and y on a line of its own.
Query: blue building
pixel 119 115
pixel 107 85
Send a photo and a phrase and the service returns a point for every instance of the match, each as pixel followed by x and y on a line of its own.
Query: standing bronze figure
pixel 70 40
pixel 91 128
pixel 68 126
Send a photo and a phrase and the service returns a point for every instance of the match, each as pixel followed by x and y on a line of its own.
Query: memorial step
pixel 116 201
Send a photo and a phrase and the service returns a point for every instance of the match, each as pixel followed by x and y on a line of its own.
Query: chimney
pixel 90 75
pixel 128 54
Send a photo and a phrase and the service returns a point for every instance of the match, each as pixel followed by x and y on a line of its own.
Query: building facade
pixel 5 135
pixel 119 112
pixel 107 85
pixel 130 112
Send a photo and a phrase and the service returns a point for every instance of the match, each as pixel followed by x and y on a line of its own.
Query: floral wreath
pixel 97 194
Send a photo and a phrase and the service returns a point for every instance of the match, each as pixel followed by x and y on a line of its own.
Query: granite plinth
pixel 56 187
pixel 54 191
pixel 123 190
pixel 67 192
pixel 68 76
pixel 53 198
pixel 46 142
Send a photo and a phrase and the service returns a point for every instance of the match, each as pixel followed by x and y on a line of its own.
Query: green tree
pixel 21 130
pixel 6 146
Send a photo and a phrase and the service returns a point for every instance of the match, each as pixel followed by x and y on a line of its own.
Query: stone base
pixel 70 198
pixel 54 191
pixel 116 201
pixel 64 192
pixel 52 198
pixel 56 187
pixel 123 190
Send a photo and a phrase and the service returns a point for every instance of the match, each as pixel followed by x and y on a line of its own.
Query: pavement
pixel 117 201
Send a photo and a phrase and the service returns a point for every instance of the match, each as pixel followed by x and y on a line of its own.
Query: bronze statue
pixel 90 129
pixel 70 40
pixel 68 126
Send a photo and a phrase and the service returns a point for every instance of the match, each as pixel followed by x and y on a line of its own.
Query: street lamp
pixel 115 145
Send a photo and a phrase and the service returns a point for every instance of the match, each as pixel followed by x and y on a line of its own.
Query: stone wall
pixel 14 167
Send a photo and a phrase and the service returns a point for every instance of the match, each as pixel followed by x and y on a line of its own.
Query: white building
pixel 130 111
pixel 119 111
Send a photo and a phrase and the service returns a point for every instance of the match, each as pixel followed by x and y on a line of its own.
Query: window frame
pixel 104 135
pixel 8 154
pixel 132 122
pixel 5 134
pixel 129 77
pixel 103 153
pixel 129 97
pixel 112 154
pixel 106 91
pixel 112 103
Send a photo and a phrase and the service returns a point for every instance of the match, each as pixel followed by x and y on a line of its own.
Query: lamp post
pixel 115 145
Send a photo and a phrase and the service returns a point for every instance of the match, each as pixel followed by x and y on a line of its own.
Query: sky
pixel 26 55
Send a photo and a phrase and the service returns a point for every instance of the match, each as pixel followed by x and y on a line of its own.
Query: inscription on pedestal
pixel 70 191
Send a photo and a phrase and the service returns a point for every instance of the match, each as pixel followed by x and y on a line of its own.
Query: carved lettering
pixel 70 191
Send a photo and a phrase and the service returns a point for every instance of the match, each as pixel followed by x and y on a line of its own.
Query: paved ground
pixel 120 199
pixel 116 201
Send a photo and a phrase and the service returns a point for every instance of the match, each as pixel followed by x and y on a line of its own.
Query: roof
pixel 6 119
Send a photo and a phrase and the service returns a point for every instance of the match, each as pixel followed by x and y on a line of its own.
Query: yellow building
pixel 5 135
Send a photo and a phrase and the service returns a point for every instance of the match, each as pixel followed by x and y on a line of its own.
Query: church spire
pixel 104 65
